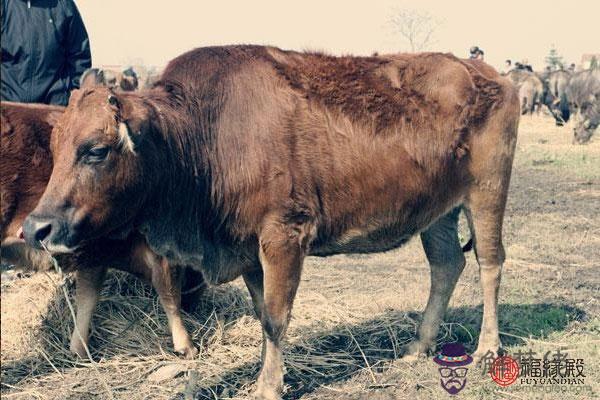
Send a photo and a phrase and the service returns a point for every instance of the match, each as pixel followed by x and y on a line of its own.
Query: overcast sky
pixel 124 31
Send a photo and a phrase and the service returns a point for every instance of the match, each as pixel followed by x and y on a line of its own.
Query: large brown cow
pixel 243 160
pixel 24 172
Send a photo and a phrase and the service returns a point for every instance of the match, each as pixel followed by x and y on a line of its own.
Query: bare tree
pixel 417 28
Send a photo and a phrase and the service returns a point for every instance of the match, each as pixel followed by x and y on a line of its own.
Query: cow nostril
pixel 42 232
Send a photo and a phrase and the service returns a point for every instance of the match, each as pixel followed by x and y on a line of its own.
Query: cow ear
pixel 53 117
pixel 92 77
pixel 134 121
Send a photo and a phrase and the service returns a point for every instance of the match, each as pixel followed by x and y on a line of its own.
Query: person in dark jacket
pixel 45 49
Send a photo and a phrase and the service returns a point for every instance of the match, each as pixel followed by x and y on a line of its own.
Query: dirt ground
pixel 352 313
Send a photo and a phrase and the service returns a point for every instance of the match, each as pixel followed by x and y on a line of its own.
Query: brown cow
pixel 243 160
pixel 531 89
pixel 24 172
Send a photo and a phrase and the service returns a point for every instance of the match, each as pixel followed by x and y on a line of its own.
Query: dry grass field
pixel 352 313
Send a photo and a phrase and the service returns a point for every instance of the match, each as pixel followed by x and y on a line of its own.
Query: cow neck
pixel 175 218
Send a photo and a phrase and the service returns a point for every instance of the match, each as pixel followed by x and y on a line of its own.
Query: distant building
pixel 588 59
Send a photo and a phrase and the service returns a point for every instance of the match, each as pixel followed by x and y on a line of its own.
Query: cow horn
pixel 125 137
pixel 556 102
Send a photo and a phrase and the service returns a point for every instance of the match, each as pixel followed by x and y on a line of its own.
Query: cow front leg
pixel 446 260
pixel 167 282
pixel 281 253
pixel 88 282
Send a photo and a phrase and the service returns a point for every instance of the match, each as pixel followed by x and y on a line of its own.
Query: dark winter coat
pixel 45 49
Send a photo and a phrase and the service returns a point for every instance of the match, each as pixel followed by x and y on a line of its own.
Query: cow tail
pixel 468 246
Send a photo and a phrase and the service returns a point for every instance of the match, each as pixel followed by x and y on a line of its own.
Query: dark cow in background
pixel 243 160
pixel 583 94
pixel 25 168
pixel 530 87
pixel 147 76
pixel 555 95
pixel 129 80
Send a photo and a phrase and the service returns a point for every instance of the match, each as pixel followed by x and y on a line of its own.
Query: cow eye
pixel 96 154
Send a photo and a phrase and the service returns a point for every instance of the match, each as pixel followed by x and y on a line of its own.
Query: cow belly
pixel 362 244
pixel 363 241
pixel 217 263
pixel 386 235
pixel 224 263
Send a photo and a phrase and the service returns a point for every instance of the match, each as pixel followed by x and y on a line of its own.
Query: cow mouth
pixel 59 248
pixel 86 235
pixel 584 134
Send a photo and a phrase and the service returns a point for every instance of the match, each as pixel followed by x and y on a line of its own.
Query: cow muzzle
pixel 47 233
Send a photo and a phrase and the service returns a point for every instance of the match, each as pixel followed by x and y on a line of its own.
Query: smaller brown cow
pixel 530 88
pixel 24 171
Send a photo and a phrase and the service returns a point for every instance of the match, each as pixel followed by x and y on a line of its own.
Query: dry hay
pixel 130 340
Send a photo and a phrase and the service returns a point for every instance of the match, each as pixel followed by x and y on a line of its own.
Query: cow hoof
pixel 486 352
pixel 268 387
pixel 265 393
pixel 189 352
pixel 415 351
pixel 78 349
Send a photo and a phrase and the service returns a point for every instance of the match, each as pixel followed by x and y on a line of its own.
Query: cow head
pixel 588 119
pixel 99 180
pixel 559 108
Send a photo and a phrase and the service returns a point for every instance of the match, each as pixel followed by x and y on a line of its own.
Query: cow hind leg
pixel 486 225
pixel 446 260
pixel 492 156
pixel 87 292
pixel 281 253
pixel 524 106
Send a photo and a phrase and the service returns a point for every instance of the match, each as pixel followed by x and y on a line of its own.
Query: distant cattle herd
pixel 565 94
pixel 243 160
pixel 127 79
